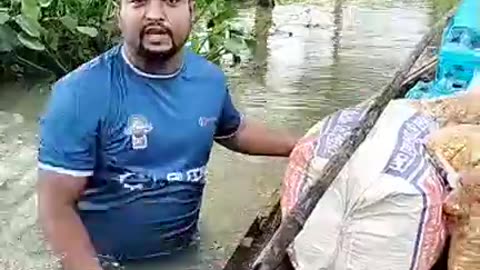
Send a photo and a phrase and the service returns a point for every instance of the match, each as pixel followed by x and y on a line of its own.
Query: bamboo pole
pixel 272 255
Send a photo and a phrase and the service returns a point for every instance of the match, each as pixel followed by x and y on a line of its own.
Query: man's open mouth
pixel 157 35
pixel 156 31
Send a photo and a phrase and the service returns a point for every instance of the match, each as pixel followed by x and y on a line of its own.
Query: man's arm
pixel 63 229
pixel 248 136
pixel 254 138
pixel 68 132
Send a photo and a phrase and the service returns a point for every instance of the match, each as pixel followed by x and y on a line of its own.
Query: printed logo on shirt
pixel 132 181
pixel 138 128
pixel 192 175
pixel 205 121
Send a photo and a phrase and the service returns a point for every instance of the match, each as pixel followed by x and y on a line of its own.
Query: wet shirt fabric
pixel 143 142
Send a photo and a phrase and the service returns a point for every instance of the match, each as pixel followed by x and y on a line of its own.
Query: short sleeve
pixel 230 119
pixel 67 132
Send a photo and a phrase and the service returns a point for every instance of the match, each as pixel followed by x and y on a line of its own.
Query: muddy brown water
pixel 317 57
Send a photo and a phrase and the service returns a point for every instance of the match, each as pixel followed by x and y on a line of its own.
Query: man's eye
pixel 138 2
pixel 172 2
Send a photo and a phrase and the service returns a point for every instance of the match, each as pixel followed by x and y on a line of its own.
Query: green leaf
pixel 28 25
pixel 45 3
pixel 8 39
pixel 69 22
pixel 52 40
pixel 89 31
pixel 30 42
pixel 4 17
pixel 30 9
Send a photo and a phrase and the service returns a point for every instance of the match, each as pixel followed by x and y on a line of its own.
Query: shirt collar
pixel 146 74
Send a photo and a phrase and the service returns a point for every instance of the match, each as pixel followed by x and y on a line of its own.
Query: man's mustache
pixel 156 28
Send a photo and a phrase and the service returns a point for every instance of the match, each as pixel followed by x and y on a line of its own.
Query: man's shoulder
pixel 204 68
pixel 87 88
pixel 91 74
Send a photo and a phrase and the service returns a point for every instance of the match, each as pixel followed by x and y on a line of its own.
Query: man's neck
pixel 153 66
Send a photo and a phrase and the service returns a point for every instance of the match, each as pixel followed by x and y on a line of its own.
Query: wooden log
pixel 260 232
pixel 273 254
pixel 421 72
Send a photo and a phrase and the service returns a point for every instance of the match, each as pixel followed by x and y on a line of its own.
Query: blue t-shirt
pixel 143 141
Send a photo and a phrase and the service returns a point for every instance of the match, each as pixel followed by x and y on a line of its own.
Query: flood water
pixel 299 75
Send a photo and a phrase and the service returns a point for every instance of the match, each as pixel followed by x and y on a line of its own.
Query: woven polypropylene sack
pixel 384 209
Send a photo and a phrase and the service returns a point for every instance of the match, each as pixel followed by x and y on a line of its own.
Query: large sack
pixel 457 149
pixel 384 209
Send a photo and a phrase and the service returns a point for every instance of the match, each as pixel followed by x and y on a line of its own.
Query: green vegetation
pixel 58 35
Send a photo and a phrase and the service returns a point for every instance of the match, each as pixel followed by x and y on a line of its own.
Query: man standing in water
pixel 125 140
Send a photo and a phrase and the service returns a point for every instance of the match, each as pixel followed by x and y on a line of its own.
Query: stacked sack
pixel 384 209
pixel 456 148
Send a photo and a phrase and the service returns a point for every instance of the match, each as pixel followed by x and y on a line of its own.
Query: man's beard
pixel 151 55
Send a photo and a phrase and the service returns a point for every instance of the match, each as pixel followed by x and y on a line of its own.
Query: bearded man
pixel 125 140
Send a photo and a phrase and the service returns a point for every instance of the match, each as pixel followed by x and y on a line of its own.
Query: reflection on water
pixel 311 59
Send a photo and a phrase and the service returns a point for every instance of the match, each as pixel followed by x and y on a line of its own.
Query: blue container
pixel 467 16
pixel 457 66
pixel 459 54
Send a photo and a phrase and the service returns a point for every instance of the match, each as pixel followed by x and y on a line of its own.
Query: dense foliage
pixel 59 35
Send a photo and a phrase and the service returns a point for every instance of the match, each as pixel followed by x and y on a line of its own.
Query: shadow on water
pixel 311 58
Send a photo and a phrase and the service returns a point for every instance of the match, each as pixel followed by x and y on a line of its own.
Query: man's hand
pixel 253 138
pixel 63 229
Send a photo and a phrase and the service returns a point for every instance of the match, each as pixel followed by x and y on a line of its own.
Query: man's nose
pixel 155 10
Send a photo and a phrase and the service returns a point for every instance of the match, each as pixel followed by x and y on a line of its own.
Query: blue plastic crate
pixel 457 65
pixel 467 16
pixel 459 54
pixel 464 28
